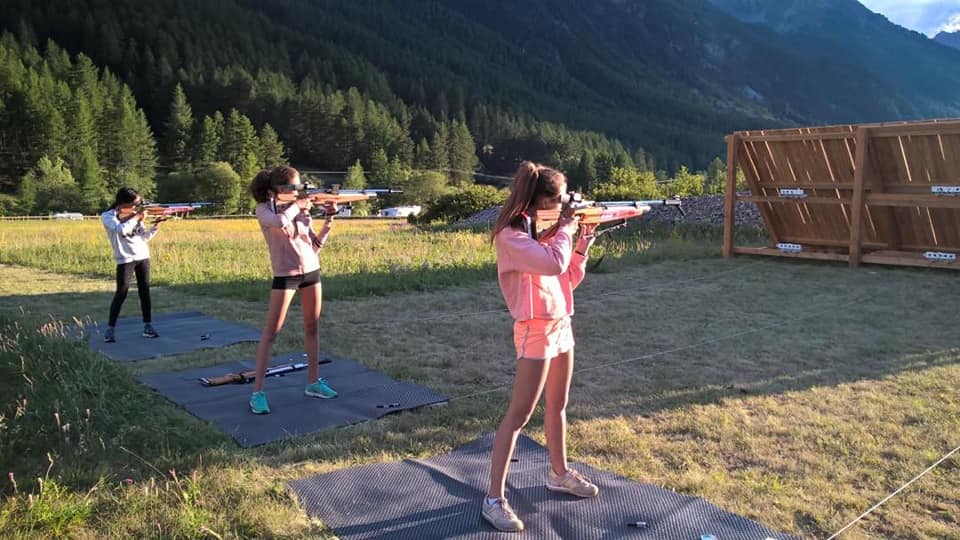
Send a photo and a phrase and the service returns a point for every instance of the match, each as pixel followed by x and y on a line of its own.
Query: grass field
pixel 792 393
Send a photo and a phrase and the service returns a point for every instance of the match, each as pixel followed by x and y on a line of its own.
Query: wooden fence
pixel 874 193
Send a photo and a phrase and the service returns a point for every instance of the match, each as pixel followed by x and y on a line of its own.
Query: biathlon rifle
pixel 248 376
pixel 164 211
pixel 325 197
pixel 598 213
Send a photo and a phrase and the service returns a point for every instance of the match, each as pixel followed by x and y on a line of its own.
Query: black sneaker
pixel 149 332
pixel 108 336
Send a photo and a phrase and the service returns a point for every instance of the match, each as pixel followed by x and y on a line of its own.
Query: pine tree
pixel 439 150
pixel 130 150
pixel 379 165
pixel 93 188
pixel 462 154
pixel 356 179
pixel 210 138
pixel 585 176
pixel 422 155
pixel 240 147
pixel 272 151
pixel 177 132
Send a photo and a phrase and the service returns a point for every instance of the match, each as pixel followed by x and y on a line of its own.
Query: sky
pixel 926 16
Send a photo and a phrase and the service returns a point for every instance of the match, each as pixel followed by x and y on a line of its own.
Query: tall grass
pixel 363 257
pixel 70 418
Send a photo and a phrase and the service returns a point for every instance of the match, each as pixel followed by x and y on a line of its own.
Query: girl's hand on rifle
pixel 305 204
pixel 587 229
pixel 567 212
pixel 330 209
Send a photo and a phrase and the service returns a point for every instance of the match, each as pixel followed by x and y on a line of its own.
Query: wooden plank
pixel 905 258
pixel 950 248
pixel 907 199
pixel 804 241
pixel 756 167
pixel 883 219
pixel 880 128
pixel 818 255
pixel 788 137
pixel 793 200
pixel 729 203
pixel 810 185
pixel 919 130
pixel 856 222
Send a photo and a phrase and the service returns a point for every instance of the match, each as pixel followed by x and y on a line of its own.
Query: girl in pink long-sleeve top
pixel 293 246
pixel 537 279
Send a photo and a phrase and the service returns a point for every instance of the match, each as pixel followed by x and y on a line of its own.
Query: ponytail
pixel 530 182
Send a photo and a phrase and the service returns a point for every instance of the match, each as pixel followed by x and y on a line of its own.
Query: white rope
pixel 890 496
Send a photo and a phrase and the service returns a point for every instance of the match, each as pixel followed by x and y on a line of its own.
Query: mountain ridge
pixel 670 77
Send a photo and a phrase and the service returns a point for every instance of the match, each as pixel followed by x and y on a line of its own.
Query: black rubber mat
pixel 179 333
pixel 440 498
pixel 364 395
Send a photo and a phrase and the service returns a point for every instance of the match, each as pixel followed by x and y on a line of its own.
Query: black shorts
pixel 298 281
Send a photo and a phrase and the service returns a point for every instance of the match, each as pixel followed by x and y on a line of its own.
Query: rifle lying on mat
pixel 164 211
pixel 248 376
pixel 326 197
pixel 598 213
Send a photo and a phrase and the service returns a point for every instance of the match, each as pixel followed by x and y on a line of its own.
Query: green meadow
pixel 795 394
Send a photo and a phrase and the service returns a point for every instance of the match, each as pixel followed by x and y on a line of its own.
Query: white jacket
pixel 128 238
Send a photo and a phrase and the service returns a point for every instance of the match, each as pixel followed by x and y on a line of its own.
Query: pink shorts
pixel 542 339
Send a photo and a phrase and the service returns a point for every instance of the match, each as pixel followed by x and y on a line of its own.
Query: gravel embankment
pixel 707 209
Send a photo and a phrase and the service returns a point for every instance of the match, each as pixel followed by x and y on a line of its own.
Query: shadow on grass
pixel 762 333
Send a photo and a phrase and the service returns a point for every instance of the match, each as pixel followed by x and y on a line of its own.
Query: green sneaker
pixel 258 403
pixel 320 389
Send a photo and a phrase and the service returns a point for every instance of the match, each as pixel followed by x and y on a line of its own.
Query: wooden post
pixel 862 140
pixel 729 203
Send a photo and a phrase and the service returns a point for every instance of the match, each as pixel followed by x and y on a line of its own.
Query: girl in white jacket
pixel 128 237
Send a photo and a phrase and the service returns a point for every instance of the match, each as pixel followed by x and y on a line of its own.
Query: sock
pixel 491 502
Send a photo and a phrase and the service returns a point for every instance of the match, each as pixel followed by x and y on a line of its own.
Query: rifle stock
pixel 324 197
pixel 164 211
pixel 248 376
pixel 598 213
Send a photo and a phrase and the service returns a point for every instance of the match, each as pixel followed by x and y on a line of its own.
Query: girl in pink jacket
pixel 293 247
pixel 537 279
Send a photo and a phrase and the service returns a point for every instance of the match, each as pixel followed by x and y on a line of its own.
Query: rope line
pixel 890 496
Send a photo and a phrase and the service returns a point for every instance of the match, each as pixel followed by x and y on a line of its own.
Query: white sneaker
pixel 501 516
pixel 573 483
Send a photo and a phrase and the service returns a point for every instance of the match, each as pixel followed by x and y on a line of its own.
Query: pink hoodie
pixel 290 239
pixel 538 279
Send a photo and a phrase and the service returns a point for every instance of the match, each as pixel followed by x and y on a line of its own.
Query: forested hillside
pixel 623 92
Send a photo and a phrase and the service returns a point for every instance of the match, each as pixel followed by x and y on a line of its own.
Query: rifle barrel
pixel 651 202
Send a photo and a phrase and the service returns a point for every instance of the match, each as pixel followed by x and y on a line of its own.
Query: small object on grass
pixel 388 405
pixel 204 337
pixel 638 524
pixel 707 537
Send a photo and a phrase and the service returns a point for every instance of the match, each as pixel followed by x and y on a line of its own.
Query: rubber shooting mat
pixel 440 498
pixel 364 394
pixel 179 333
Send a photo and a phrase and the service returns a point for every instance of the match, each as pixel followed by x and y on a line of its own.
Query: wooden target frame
pixel 874 193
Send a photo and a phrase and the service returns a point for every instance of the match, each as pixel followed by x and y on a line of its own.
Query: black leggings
pixel 142 269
